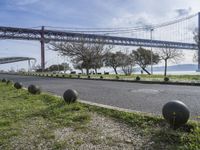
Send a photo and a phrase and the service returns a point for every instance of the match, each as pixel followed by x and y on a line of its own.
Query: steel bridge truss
pixel 60 36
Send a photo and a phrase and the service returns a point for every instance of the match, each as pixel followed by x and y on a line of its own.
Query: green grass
pixel 154 77
pixel 34 118
pixel 19 109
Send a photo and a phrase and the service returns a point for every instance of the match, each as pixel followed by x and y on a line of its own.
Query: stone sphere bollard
pixel 18 85
pixel 70 96
pixel 3 80
pixel 166 79
pixel 176 113
pixel 33 89
pixel 137 78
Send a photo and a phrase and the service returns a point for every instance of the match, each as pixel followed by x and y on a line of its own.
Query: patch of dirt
pixel 35 135
pixel 102 133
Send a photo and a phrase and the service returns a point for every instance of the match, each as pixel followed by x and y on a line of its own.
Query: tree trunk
pixel 87 71
pixel 95 70
pixel 165 73
pixel 146 71
pixel 115 69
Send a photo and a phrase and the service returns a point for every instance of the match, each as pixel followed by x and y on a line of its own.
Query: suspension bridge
pixel 129 36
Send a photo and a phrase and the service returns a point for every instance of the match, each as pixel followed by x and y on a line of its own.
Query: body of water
pixel 175 72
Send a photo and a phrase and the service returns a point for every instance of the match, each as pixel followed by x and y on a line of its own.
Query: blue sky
pixel 83 13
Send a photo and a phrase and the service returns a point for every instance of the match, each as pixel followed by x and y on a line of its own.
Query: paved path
pixel 141 97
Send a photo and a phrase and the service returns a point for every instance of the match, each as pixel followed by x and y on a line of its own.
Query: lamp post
pixel 151 32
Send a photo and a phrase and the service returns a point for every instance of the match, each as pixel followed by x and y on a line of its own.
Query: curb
pixel 119 80
pixel 111 107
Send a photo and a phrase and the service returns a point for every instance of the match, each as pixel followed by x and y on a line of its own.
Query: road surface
pixel 141 97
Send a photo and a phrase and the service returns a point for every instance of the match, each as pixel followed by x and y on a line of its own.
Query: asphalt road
pixel 141 97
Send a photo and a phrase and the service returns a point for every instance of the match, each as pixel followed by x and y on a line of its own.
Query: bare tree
pixel 98 57
pixel 82 53
pixel 78 65
pixel 127 64
pixel 168 54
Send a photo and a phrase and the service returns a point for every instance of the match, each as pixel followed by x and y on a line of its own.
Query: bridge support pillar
pixel 198 70
pixel 42 41
pixel 199 43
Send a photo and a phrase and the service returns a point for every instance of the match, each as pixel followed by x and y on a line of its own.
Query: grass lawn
pixel 46 122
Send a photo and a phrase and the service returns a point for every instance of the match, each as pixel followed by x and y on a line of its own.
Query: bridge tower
pixel 198 42
pixel 42 41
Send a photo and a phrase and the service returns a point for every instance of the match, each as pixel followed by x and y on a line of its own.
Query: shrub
pixel 63 75
pixel 89 77
pixel 70 76
pixel 117 77
pixel 57 75
pixel 79 76
pixel 70 96
pixel 137 78
pixel 18 85
pixel 8 82
pixel 166 79
pixel 34 89
pixel 101 77
pixel 3 80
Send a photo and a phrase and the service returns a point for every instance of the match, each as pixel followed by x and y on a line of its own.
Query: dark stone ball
pixel 4 80
pixel 70 96
pixel 176 113
pixel 18 85
pixel 137 78
pixel 166 79
pixel 33 89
